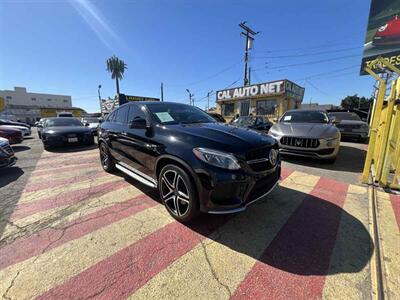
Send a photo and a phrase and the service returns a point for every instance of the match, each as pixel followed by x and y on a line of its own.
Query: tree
pixel 356 102
pixel 117 68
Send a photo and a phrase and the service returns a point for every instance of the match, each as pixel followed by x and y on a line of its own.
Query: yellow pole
pixel 375 124
pixel 381 175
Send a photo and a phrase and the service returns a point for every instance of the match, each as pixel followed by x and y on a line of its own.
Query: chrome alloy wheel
pixel 104 155
pixel 175 193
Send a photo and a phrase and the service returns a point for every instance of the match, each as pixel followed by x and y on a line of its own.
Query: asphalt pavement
pixel 69 230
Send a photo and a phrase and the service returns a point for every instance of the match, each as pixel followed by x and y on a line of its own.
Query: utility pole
pixel 208 100
pixel 249 75
pixel 98 90
pixel 190 97
pixel 162 92
pixel 249 34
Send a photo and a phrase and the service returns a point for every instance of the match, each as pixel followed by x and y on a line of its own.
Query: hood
pixel 352 122
pixel 9 129
pixel 16 127
pixel 222 136
pixel 66 129
pixel 310 130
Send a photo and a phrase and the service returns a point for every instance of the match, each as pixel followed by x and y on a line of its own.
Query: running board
pixel 136 176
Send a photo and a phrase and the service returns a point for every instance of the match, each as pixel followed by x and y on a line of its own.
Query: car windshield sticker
pixel 164 117
pixel 287 118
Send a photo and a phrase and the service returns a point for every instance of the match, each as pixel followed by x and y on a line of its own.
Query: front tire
pixel 106 159
pixel 178 193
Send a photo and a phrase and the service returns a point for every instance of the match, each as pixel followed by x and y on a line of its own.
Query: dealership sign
pixel 128 98
pixel 108 105
pixel 383 36
pixel 287 87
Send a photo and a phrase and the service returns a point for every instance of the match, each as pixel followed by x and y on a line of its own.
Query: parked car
pixel 350 125
pixel 7 157
pixel 13 123
pixel 14 136
pixel 39 126
pixel 307 133
pixel 25 130
pixel 63 131
pixel 195 163
pixel 388 34
pixel 217 117
pixel 91 123
pixel 253 122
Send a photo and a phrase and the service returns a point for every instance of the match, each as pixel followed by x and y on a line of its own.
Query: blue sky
pixel 61 46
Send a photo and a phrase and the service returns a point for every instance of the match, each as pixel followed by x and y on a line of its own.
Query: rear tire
pixel 178 193
pixel 106 159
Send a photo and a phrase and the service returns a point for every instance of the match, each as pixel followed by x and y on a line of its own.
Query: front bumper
pixel 325 150
pixel 224 192
pixel 354 134
pixel 8 161
pixel 59 140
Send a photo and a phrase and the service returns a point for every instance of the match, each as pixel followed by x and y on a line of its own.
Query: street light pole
pixel 190 97
pixel 98 90
pixel 208 100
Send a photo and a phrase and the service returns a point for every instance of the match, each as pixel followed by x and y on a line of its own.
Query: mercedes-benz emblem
pixel 273 156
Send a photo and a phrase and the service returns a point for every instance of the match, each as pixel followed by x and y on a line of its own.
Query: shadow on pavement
pixel 19 148
pixel 349 159
pixel 8 175
pixel 302 245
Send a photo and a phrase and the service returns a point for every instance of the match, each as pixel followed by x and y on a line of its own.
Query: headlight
pixel 275 134
pixel 364 127
pixel 217 158
pixel 331 141
pixel 50 131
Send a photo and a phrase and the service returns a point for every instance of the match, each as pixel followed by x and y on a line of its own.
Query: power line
pixel 206 78
pixel 310 54
pixel 309 62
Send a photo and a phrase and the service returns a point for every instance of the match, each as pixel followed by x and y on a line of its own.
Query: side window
pixel 135 112
pixel 122 114
pixel 111 117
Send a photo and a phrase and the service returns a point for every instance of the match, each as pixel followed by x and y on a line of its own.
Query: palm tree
pixel 117 68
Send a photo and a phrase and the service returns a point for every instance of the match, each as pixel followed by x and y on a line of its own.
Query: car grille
pixel 258 159
pixel 299 142
pixel 263 185
pixel 348 126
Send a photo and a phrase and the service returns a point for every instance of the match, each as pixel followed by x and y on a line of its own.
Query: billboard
pixel 128 98
pixel 383 35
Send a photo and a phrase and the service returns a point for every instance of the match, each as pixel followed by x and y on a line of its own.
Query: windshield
pixel 244 121
pixel 345 116
pixel 175 113
pixel 63 122
pixel 305 117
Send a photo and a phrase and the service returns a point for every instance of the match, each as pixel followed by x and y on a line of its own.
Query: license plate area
pixel 72 140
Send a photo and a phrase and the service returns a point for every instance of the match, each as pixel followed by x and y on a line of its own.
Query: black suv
pixel 196 163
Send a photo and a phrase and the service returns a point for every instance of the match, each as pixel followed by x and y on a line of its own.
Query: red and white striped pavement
pixel 78 232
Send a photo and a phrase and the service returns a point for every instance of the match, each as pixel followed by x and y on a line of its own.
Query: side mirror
pixel 101 120
pixel 138 123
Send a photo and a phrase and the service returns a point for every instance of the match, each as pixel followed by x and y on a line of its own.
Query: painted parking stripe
pixel 49 155
pixel 31 197
pixel 50 238
pixel 349 270
pixel 395 200
pixel 45 184
pixel 63 169
pixel 92 189
pixel 54 267
pixel 82 170
pixel 59 216
pixel 295 264
pixel 65 158
pixel 127 270
pixel 389 234
pixel 214 268
pixel 55 163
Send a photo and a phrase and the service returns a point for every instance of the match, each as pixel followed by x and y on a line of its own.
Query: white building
pixel 28 107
